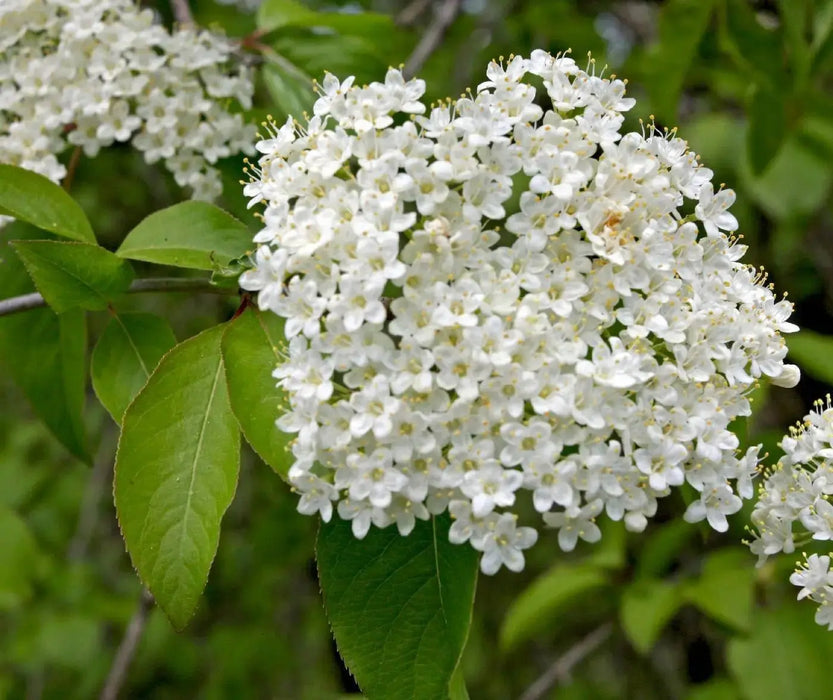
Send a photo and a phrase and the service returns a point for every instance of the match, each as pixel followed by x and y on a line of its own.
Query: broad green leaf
pixel 813 352
pixel 46 356
pixel 786 655
pixel 18 559
pixel 646 607
pixel 51 374
pixel 755 48
pixel 719 688
pixel 315 54
pixel 767 127
pixel 796 183
pixel 538 607
pixel 125 356
pixel 289 87
pixel 191 234
pixel 74 275
pixel 273 14
pixel 399 607
pixel 725 588
pixel 251 351
pixel 682 24
pixel 39 201
pixel 176 473
pixel 661 546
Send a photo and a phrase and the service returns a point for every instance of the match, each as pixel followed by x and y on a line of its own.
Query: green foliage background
pixel 678 612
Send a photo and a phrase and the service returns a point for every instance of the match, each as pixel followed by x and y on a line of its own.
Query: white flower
pixel 572 340
pixel 91 73
pixel 503 545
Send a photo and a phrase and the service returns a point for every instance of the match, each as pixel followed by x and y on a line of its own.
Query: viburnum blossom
pixel 93 72
pixel 797 492
pixel 496 304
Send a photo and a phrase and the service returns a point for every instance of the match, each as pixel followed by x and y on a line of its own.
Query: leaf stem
pixel 25 302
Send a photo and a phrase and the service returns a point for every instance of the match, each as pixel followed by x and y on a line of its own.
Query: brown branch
pixel 182 13
pixel 411 12
pixel 127 648
pixel 559 670
pixel 444 15
pixel 25 302
pixel 88 513
pixel 72 166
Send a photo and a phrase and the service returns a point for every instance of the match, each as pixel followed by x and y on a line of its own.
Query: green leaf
pixel 646 607
pixel 74 275
pixel 795 185
pixel 756 49
pixel 45 354
pixel 125 356
pixel 725 588
pixel 191 234
pixel 767 127
pixel 400 607
pixel 682 24
pixel 289 87
pixel 251 351
pixel 538 607
pixel 18 560
pixel 786 655
pixel 176 473
pixel 719 688
pixel 661 547
pixel 278 13
pixel 39 201
pixel 315 54
pixel 813 352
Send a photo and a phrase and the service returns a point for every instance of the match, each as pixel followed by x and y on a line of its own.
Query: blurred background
pixel 676 612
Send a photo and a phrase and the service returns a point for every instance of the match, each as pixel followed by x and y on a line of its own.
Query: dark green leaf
pixel 785 655
pixel 724 590
pixel 767 127
pixel 813 352
pixel 278 13
pixel 289 87
pixel 251 351
pixel 715 689
pixel 125 356
pixel 755 48
pixel 796 184
pixel 176 473
pixel 682 24
pixel 191 234
pixel 646 607
pixel 342 55
pixel 400 607
pixel 39 201
pixel 74 275
pixel 539 606
pixel 45 354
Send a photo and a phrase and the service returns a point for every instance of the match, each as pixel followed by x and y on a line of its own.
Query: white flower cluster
pixel 93 72
pixel 490 298
pixel 798 491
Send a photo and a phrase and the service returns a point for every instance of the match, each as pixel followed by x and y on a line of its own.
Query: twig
pixel 72 166
pixel 127 648
pixel 153 284
pixel 409 14
pixel 182 13
pixel 88 513
pixel 560 669
pixel 444 14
